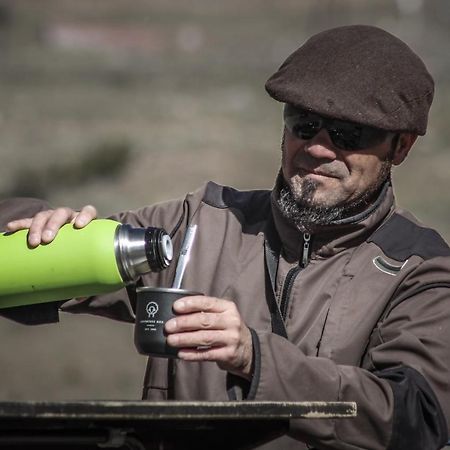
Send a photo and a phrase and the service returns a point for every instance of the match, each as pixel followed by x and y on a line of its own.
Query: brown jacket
pixel 367 319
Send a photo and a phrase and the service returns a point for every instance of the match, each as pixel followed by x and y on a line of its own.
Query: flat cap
pixel 358 73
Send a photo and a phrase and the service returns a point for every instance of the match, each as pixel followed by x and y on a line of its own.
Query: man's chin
pixel 306 211
pixel 314 190
pixel 318 199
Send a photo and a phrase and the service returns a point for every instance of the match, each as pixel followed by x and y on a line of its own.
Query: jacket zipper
pixel 292 274
pixel 305 254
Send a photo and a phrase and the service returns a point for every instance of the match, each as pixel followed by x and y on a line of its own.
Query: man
pixel 321 289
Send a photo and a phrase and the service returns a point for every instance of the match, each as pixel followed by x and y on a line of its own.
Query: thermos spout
pixel 141 250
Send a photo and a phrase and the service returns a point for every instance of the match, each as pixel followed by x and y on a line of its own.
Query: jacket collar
pixel 339 235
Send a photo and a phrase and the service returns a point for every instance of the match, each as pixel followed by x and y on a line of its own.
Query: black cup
pixel 153 310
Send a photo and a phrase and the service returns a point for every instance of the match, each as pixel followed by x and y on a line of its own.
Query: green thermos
pixel 102 257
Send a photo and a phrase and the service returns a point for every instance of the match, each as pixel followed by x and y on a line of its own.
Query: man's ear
pixel 404 144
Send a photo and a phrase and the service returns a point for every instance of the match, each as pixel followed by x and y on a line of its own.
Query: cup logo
pixel 152 309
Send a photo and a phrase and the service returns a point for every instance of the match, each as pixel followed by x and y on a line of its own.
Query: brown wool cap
pixel 358 73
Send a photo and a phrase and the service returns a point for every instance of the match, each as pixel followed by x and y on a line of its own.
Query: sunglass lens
pixel 307 129
pixel 344 135
pixel 372 136
pixel 351 136
pixel 301 123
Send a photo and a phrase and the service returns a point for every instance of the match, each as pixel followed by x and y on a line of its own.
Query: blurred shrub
pixel 106 160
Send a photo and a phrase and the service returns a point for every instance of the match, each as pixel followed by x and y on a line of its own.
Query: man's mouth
pixel 317 172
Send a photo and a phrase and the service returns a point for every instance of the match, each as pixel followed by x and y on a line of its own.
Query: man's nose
pixel 320 146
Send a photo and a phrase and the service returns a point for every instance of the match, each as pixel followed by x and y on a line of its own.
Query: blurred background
pixel 123 103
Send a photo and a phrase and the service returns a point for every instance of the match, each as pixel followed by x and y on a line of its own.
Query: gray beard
pixel 308 218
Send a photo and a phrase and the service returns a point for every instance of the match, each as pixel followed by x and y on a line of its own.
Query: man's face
pixel 320 175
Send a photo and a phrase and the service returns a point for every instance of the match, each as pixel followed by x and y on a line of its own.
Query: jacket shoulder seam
pixel 250 206
pixel 213 195
pixel 400 238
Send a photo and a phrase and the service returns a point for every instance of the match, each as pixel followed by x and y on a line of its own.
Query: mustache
pixel 334 169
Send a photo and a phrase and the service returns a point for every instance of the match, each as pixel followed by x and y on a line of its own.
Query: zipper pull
pixel 305 255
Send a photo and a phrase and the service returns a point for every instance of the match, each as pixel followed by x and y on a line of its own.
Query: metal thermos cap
pixel 141 250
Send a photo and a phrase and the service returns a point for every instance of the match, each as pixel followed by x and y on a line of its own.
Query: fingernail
pixel 81 221
pixel 180 304
pixel 171 325
pixel 33 240
pixel 173 340
pixel 48 234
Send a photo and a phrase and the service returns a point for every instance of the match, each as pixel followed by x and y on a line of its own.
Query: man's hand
pixel 44 226
pixel 211 329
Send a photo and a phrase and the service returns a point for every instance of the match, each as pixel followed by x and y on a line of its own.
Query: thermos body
pixel 99 258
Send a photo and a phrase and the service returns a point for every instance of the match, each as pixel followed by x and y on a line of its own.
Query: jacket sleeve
pixel 20 208
pixel 401 388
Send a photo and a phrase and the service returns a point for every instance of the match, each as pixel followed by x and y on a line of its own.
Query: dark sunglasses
pixel 344 135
